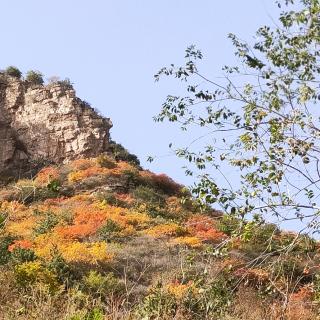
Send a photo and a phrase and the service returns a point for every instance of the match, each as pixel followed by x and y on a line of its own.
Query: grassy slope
pixel 98 239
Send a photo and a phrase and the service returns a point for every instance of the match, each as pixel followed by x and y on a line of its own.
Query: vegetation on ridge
pixel 104 239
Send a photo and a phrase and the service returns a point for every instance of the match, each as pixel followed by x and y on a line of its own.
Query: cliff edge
pixel 46 124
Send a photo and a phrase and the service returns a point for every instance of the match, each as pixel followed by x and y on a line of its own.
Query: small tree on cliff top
pixel 13 72
pixel 266 125
pixel 34 77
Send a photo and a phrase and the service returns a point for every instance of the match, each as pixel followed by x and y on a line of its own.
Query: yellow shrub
pixel 23 228
pixel 86 252
pixel 29 273
pixel 180 290
pixel 163 230
pixel 188 241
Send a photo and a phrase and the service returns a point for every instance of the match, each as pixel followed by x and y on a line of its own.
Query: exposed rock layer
pixel 46 124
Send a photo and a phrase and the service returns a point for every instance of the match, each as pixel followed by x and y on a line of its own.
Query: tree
pixel 13 72
pixel 263 119
pixel 34 77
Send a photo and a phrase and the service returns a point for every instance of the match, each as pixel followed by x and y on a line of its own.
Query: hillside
pixel 101 238
pixel 88 234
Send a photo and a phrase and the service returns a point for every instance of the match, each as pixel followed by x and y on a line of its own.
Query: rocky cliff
pixel 40 124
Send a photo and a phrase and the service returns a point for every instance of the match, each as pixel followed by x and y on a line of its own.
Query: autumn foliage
pixel 108 216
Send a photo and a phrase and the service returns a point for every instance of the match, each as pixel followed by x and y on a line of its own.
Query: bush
pixel 109 231
pixel 158 304
pixel 59 267
pixel 229 225
pixel 66 83
pixel 29 273
pixel 20 255
pixel 94 314
pixel 54 186
pixel 13 72
pixel 132 177
pixel 47 224
pixel 161 182
pixel 101 285
pixel 3 219
pixel 34 77
pixel 110 199
pixel 149 195
pixel 5 254
pixel 121 153
pixel 105 162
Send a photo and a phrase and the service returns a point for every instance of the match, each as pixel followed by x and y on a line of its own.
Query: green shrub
pixel 121 153
pixel 20 255
pixel 228 225
pixel 28 192
pixel 110 199
pixel 109 231
pixel 132 178
pixel 106 162
pixel 158 304
pixel 13 72
pixel 215 298
pixel 3 219
pixel 59 267
pixel 209 299
pixel 94 314
pixel 67 217
pixel 66 83
pixel 101 285
pixel 5 255
pixel 34 77
pixel 49 221
pixel 54 186
pixel 149 195
pixel 287 267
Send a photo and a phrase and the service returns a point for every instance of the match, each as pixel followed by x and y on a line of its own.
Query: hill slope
pixel 100 238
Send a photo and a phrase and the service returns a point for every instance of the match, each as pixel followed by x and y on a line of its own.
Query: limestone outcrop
pixel 41 124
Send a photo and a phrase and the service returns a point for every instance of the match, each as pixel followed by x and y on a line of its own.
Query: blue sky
pixel 111 49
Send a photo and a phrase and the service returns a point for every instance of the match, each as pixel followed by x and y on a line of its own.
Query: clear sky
pixel 110 49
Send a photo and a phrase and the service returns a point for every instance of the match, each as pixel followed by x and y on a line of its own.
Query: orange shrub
pixel 77 176
pixel 22 244
pixel 204 228
pixel 122 166
pixel 46 175
pixel 78 231
pixel 253 275
pixel 304 294
pixel 87 220
pixel 90 215
pixel 82 164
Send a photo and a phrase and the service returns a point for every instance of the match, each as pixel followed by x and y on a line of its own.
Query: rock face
pixel 49 123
